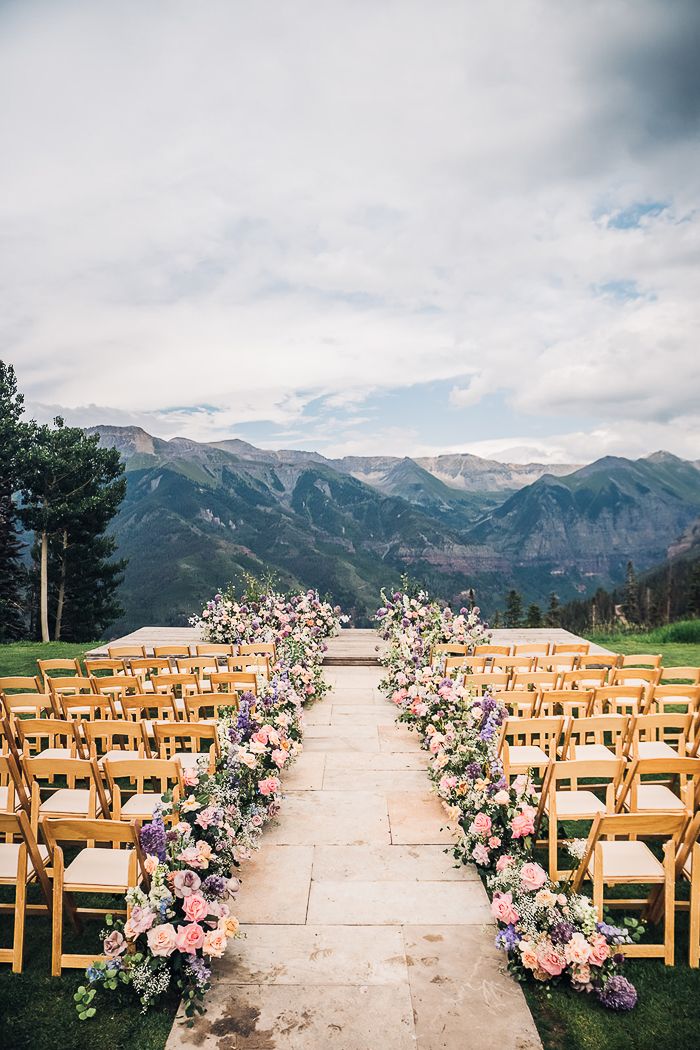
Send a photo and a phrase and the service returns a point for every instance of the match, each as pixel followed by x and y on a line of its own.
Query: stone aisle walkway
pixel 360 933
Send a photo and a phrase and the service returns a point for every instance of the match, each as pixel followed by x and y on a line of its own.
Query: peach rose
pixel 550 959
pixel 195 907
pixel 578 950
pixel 230 925
pixel 151 863
pixel 532 876
pixel 162 940
pixel 527 955
pixel 215 943
pixel 600 950
pixel 190 938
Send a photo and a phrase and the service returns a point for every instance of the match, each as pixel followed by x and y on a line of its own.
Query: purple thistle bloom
pixel 561 932
pixel 474 770
pixel 152 838
pixel 215 886
pixel 618 993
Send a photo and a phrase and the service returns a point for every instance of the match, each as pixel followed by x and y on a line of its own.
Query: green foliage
pixel 513 616
pixel 12 575
pixel 534 616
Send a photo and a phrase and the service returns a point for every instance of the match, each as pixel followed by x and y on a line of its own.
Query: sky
pixel 357 226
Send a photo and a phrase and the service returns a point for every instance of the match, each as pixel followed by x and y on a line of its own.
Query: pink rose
pixel 140 920
pixel 503 861
pixel 114 944
pixel 279 757
pixel 190 776
pixel 502 908
pixel 269 786
pixel 481 825
pixel 523 823
pixel 600 949
pixel 259 737
pixel 480 854
pixel 550 959
pixel 577 950
pixel 215 943
pixel 195 907
pixel 494 842
pixel 190 938
pixel 532 876
pixel 186 883
pixel 162 939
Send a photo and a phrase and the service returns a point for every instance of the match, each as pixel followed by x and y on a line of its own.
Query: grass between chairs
pixel 18 658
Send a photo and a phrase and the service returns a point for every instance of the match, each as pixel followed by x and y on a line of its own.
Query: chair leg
pixel 20 911
pixel 57 916
pixel 669 903
pixel 553 832
pixel 694 932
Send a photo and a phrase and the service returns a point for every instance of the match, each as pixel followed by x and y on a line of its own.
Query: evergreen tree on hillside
pixel 12 575
pixel 71 490
pixel 534 616
pixel 630 598
pixel 693 590
pixel 496 622
pixel 513 616
pixel 553 617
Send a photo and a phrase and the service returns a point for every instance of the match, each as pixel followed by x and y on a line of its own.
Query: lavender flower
pixel 198 970
pixel 473 770
pixel 618 993
pixel 561 932
pixel 215 886
pixel 507 938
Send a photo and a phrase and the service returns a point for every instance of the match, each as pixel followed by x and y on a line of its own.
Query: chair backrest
pixel 213 649
pixel 98 668
pixel 34 704
pixel 682 697
pixel 180 649
pixel 176 684
pixel 573 703
pixel 495 682
pixel 206 706
pixel 11 780
pixel 37 734
pixel 652 660
pixel 520 703
pixel 466 664
pixel 147 706
pixel 619 700
pixel 258 649
pixel 532 649
pixel 125 652
pixel 16 825
pixel 70 685
pixel 85 707
pixel 687 770
pixel 688 675
pixel 493 650
pixel 571 771
pixel 535 680
pixel 440 649
pixel 20 684
pixel 598 660
pixel 555 662
pixel 668 727
pixel 584 678
pixel 117 685
pixel 64 667
pixel 610 731
pixel 149 667
pixel 200 665
pixel 75 770
pixel 512 663
pixel 147 774
pixel 578 648
pixel 172 737
pixel 545 732
pixel 644 676
pixel 111 734
pixel 234 682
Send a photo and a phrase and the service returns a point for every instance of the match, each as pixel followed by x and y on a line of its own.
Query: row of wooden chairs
pixel 615 699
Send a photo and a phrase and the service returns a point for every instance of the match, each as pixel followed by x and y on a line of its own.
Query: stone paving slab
pixel 275 885
pixel 374 780
pixel 307 772
pixel 382 903
pixel 417 817
pixel 329 817
pixel 389 863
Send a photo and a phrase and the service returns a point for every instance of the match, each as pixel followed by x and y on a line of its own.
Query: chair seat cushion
pixel 9 858
pixel 592 752
pixel 573 803
pixel 103 868
pixel 655 749
pixel 657 796
pixel 188 758
pixel 141 804
pixel 118 754
pixel 56 752
pixel 527 755
pixel 628 860
pixel 67 800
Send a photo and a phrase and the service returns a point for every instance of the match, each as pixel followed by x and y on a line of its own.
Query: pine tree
pixel 534 616
pixel 693 591
pixel 71 490
pixel 496 622
pixel 630 600
pixel 513 616
pixel 12 574
pixel 553 617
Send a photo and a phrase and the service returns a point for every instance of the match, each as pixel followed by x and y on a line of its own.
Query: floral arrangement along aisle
pixel 184 916
pixel 549 933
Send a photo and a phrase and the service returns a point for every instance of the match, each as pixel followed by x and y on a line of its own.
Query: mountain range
pixel 198 514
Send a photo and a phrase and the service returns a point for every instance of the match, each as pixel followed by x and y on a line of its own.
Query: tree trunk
pixel 61 588
pixel 44 597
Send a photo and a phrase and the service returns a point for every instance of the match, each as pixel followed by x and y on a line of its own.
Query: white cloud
pixel 243 207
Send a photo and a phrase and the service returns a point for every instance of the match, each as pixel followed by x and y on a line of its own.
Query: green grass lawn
pixel 36 1009
pixel 679 643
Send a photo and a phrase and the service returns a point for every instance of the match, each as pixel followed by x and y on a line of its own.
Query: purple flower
pixel 561 932
pixel 473 770
pixel 507 938
pixel 215 886
pixel 618 993
pixel 198 970
pixel 152 838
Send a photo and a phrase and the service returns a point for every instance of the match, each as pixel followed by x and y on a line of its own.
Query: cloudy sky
pixel 358 226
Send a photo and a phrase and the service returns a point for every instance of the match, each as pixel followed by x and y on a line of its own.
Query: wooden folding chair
pixel 660 735
pixel 148 708
pixel 70 801
pixel 36 705
pixel 493 650
pixel 440 650
pixel 161 774
pixel 639 795
pixel 490 681
pixel 13 795
pixel 97 668
pixel 202 666
pixel 454 665
pixel 652 660
pixel 613 860
pixel 214 649
pixel 576 803
pixel 182 742
pixel 207 707
pixel 20 684
pixel 255 664
pixel 675 698
pixel 583 678
pixel 64 668
pixel 234 682
pixel 679 675
pixel 646 677
pixel 258 649
pixel 94 870
pixel 572 703
pixel 555 662
pixel 114 738
pixel 597 738
pixel 147 669
pixel 532 649
pixel 115 688
pixel 688 867
pixel 619 700
pixel 520 703
pixel 21 863
pixel 126 652
pixel 534 746
pixel 577 648
pixel 177 685
pixel 512 665
pixel 179 650
pixel 599 661
pixel 48 738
